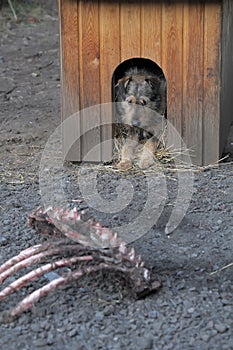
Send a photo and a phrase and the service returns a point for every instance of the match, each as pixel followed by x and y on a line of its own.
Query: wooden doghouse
pixel 191 41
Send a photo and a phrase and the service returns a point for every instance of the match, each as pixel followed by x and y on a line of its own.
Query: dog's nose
pixel 135 123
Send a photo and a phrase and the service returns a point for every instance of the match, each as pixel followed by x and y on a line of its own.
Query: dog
pixel 142 107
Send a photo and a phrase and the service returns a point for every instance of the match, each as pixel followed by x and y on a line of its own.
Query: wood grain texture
pixel 109 46
pixel 212 73
pixel 172 61
pixel 130 29
pixel 89 68
pixel 227 73
pixel 69 48
pixel 193 49
pixel 109 60
pixel 151 33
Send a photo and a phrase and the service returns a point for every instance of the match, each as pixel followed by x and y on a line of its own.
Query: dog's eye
pixel 130 99
pixel 143 102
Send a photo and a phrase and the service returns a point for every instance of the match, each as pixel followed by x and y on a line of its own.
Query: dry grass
pixel 21 165
pixel 172 159
pixel 167 156
pixel 222 268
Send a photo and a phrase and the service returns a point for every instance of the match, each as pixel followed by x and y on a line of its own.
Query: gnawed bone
pixel 85 246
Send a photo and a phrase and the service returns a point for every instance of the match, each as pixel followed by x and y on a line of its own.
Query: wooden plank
pixel 130 29
pixel 193 32
pixel 89 67
pixel 109 46
pixel 211 107
pixel 227 73
pixel 151 35
pixel 109 60
pixel 69 50
pixel 172 62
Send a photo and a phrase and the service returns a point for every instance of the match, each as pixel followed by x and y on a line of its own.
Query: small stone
pixel 34 74
pixel 108 310
pixel 220 327
pixel 153 314
pixel 73 332
pixel 219 222
pixel 215 267
pixel 99 316
pixel 213 332
pixel 210 324
pixel 148 343
pixel 225 301
pixel 191 310
pixel 40 343
pixel 83 171
pixel 205 337
pixel 25 42
pixel 3 240
pixel 50 339
pixel 36 328
pixel 51 276
pixel 7 85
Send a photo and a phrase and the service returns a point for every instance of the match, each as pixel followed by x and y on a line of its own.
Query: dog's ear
pixel 122 85
pixel 153 81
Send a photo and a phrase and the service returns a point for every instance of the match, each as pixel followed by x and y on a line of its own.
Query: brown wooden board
pixel 151 33
pixel 172 60
pixel 227 73
pixel 89 68
pixel 193 49
pixel 130 29
pixel 69 43
pixel 109 60
pixel 212 73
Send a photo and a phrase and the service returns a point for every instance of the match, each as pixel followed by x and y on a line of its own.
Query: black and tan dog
pixel 142 97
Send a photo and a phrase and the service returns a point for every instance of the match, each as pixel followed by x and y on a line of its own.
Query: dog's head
pixel 139 89
pixel 140 99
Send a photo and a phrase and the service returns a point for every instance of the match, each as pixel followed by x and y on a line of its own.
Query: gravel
pixel 192 310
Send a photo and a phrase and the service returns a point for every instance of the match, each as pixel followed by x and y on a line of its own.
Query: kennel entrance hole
pixel 140 63
pixel 150 68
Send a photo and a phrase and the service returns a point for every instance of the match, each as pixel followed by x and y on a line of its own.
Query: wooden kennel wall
pixel 190 40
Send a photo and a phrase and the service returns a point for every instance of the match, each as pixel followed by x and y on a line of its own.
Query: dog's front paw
pixel 124 165
pixel 146 161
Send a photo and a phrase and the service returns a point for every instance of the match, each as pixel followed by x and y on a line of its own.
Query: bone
pixel 74 248
pixel 32 259
pixel 35 274
pixel 21 256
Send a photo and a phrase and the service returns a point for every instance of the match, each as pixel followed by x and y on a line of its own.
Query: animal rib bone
pixel 85 246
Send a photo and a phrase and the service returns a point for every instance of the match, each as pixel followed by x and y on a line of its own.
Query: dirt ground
pixel 192 310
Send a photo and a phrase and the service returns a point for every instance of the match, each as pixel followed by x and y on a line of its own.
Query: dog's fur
pixel 143 105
